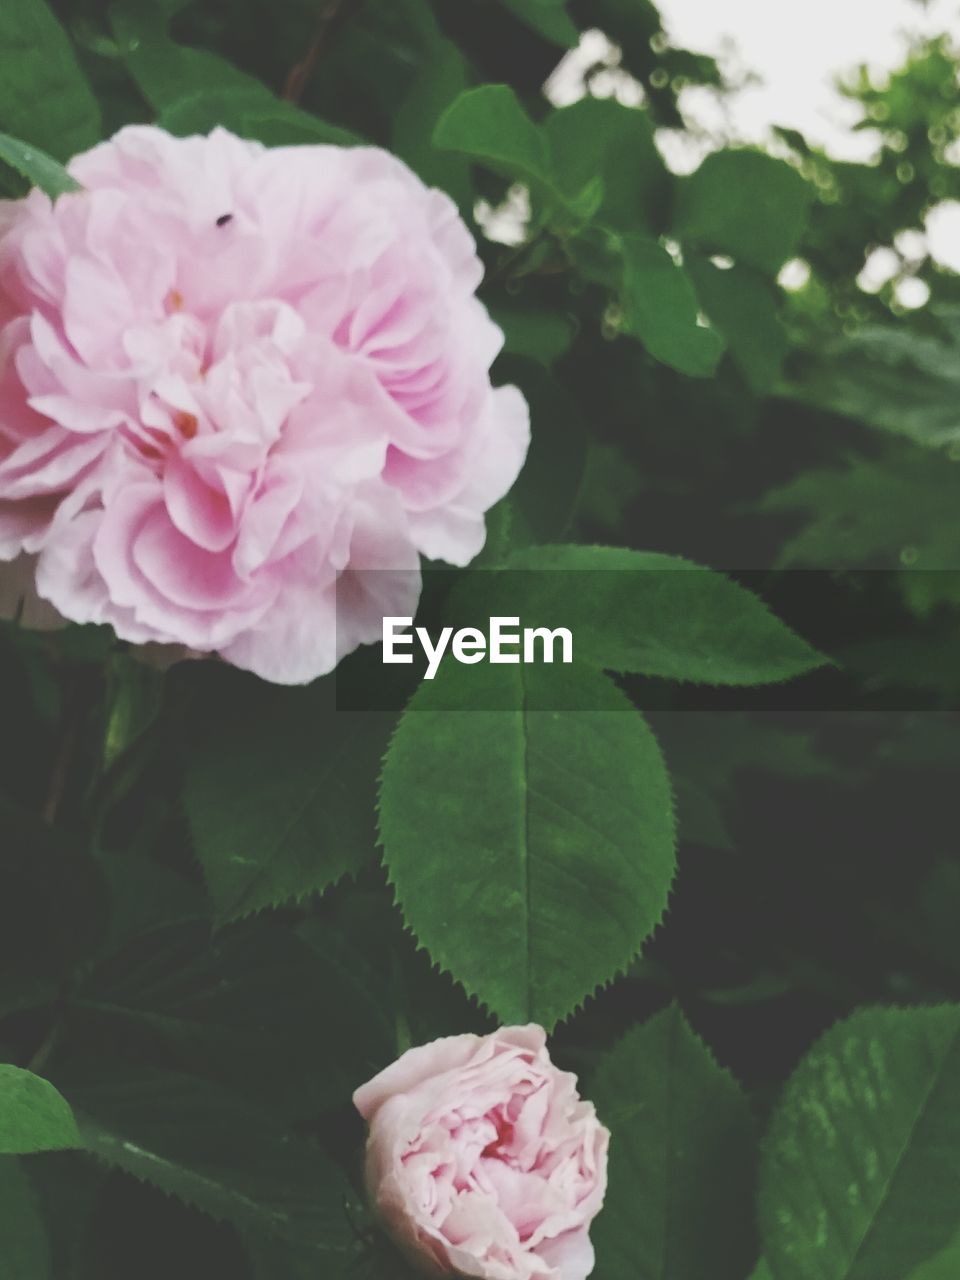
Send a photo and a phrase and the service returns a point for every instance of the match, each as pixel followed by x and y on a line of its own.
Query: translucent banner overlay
pixel 662 639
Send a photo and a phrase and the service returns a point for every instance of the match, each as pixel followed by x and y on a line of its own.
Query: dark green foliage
pixel 746 204
pixel 715 856
pixel 23 1240
pixel 44 96
pixel 862 1158
pixel 684 1133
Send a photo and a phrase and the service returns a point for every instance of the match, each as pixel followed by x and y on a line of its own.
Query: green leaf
pixel 250 113
pixel 761 1271
pixel 134 697
pixel 543 498
pixel 945 1266
pixel 280 801
pixel 860 1178
pixel 896 511
pixel 33 1116
pixel 44 96
pixel 282 127
pixel 165 71
pixel 258 1010
pixel 892 378
pixel 362 935
pixel 600 136
pixel 660 307
pixel 549 18
pixel 655 615
pixel 742 306
pixel 536 333
pixel 378 1260
pixel 23 1237
pixel 744 203
pixel 571 834
pixel 145 894
pixel 611 483
pixel 489 125
pixel 39 169
pixel 198 1143
pixel 679 1202
pixel 442 78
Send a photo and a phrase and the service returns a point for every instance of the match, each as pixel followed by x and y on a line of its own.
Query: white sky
pixel 788 56
pixel 798 51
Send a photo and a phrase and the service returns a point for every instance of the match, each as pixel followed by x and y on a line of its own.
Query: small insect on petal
pixel 224 219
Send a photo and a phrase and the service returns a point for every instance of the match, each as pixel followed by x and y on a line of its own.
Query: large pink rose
pixel 483 1160
pixel 231 380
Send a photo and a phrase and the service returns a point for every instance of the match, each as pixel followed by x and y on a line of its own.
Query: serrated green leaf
pixel 198 1143
pixel 44 96
pixel 682 1153
pixel 23 1238
pixel 601 136
pixel 280 802
pixel 39 169
pixel 506 833
pixel 744 203
pixel 33 1115
pixel 860 1177
pixel 742 306
pixel 660 307
pixel 655 615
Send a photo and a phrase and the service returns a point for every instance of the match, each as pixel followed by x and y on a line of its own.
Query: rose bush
pixel 483 1160
pixel 231 378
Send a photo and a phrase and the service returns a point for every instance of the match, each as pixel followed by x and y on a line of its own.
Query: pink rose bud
pixel 483 1160
pixel 231 380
